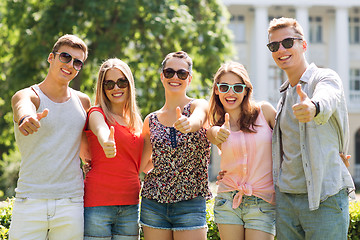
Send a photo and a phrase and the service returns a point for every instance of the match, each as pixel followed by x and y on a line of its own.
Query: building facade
pixel 332 30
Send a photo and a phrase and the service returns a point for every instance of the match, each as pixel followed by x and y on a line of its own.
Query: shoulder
pixel 84 99
pixel 269 112
pixel 199 103
pixel 26 93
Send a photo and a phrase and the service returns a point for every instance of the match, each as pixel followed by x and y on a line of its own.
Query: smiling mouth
pixel 230 100
pixel 117 94
pixel 174 84
pixel 65 71
pixel 284 57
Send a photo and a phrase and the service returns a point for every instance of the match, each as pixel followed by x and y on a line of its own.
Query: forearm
pixel 22 107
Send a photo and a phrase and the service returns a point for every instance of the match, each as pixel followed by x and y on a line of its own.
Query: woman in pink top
pixel 242 130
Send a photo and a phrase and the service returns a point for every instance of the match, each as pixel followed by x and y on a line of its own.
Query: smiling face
pixel 174 83
pixel 292 58
pixel 65 72
pixel 230 100
pixel 116 96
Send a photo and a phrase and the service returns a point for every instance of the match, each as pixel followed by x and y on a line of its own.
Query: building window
pixel 237 26
pixel 355 84
pixel 315 29
pixel 354 30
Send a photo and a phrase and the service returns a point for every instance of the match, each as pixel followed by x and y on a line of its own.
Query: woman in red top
pixel 113 130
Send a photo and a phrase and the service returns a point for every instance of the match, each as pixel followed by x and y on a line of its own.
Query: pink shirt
pixel 247 159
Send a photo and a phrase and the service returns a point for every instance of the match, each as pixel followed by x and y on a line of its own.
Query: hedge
pixel 212 234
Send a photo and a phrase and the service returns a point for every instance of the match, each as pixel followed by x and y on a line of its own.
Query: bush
pixel 5 217
pixel 213 231
pixel 354 228
pixel 212 234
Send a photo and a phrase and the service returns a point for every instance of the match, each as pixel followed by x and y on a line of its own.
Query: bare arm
pixel 104 135
pixel 24 104
pixel 197 119
pixel 269 113
pixel 146 163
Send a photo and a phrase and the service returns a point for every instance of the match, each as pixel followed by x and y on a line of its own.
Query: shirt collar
pixel 304 78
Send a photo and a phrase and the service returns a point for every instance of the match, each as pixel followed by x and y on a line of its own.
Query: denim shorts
pixel 111 222
pixel 183 215
pixel 253 212
pixel 295 220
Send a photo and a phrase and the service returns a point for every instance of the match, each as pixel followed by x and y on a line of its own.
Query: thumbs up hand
pixel 182 122
pixel 30 124
pixel 109 146
pixel 223 132
pixel 305 110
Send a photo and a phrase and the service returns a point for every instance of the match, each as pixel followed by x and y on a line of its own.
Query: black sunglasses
pixel 181 73
pixel 121 83
pixel 287 43
pixel 237 88
pixel 66 58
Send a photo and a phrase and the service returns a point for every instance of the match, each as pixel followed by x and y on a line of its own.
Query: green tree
pixel 140 32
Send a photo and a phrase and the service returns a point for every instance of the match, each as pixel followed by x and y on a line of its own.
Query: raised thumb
pixel 112 134
pixel 178 112
pixel 301 93
pixel 227 121
pixel 42 114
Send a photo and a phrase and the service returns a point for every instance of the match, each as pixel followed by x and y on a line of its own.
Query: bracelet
pixel 22 119
pixel 317 106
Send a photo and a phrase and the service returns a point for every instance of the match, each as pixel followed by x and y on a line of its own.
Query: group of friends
pixel 283 171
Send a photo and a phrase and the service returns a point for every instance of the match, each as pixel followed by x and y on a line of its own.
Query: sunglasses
pixel 66 58
pixel 237 88
pixel 181 73
pixel 287 43
pixel 121 83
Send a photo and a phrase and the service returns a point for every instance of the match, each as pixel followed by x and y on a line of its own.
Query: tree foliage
pixel 140 32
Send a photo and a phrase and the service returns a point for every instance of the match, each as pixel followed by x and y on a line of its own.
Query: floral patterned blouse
pixel 180 163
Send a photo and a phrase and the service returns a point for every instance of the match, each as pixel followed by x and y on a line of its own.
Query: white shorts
pixel 53 219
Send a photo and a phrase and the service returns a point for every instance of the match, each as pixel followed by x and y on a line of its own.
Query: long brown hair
pixel 131 110
pixel 249 109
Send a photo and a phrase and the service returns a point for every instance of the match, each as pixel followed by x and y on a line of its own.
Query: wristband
pixel 22 119
pixel 317 106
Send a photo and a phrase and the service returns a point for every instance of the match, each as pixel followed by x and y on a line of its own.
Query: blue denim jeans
pixel 111 222
pixel 183 215
pixel 295 221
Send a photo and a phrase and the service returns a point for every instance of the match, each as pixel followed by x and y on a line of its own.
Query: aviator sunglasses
pixel 121 83
pixel 287 43
pixel 237 88
pixel 66 58
pixel 181 73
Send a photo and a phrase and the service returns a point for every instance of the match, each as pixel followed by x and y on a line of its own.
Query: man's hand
pixel 31 124
pixel 305 110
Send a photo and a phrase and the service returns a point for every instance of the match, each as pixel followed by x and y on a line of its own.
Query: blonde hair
pixel 131 110
pixel 279 23
pixel 249 109
pixel 71 41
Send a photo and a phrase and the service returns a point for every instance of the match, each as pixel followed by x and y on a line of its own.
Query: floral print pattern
pixel 180 163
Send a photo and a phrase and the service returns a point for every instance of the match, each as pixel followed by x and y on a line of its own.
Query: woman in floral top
pixel 175 190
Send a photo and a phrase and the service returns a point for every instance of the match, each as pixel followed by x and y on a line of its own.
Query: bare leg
pixel 231 231
pixel 196 234
pixel 156 234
